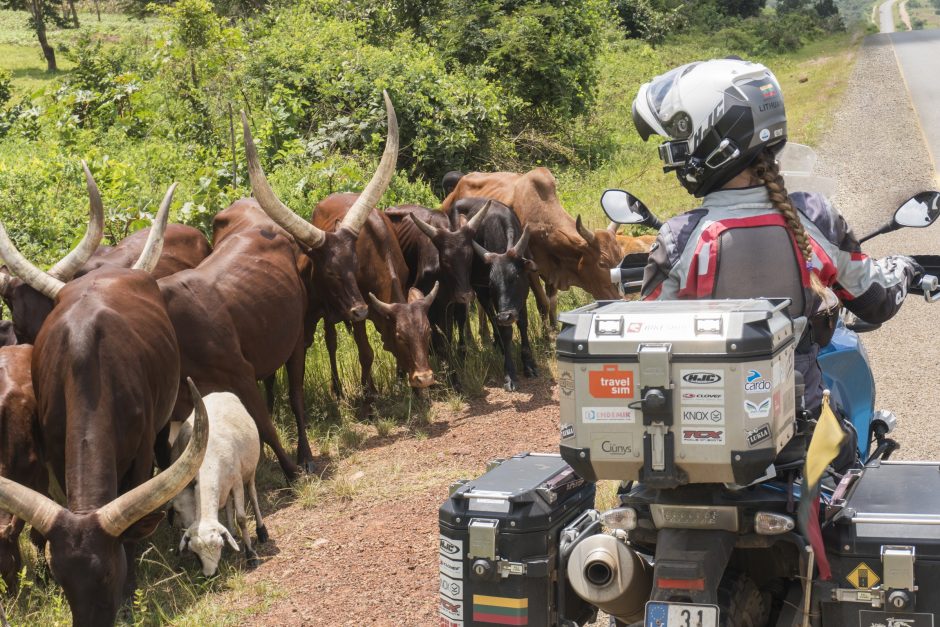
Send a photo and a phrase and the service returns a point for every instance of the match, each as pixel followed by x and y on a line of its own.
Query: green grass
pixel 21 55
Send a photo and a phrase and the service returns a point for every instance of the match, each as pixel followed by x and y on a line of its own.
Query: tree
pixel 41 12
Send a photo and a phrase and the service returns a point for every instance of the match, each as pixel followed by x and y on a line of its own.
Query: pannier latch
pixel 659 455
pixel 898 566
pixel 487 565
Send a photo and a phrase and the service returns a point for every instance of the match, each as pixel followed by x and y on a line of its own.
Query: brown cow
pixel 239 317
pixel 566 253
pixel 331 254
pixel 382 273
pixel 183 247
pixel 630 245
pixel 20 457
pixel 105 369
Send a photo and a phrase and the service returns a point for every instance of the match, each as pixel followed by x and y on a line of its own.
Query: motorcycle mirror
pixel 919 211
pixel 623 207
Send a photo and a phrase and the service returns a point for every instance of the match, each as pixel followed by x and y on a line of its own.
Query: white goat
pixel 229 465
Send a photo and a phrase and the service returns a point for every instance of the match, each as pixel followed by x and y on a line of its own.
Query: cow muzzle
pixel 358 313
pixel 421 379
pixel 506 318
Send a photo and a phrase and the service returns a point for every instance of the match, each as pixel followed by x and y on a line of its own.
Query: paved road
pixel 917 53
pixel 887 19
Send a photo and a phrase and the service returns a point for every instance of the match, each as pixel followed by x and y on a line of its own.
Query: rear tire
pixel 741 602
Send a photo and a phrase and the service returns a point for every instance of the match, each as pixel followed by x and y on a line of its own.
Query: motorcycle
pixel 691 405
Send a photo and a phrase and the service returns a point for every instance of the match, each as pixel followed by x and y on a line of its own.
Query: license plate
pixel 660 614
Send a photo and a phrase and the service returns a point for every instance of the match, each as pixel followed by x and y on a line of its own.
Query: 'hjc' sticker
pixel 611 382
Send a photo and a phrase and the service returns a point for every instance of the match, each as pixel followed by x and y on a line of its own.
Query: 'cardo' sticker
pixel 714 436
pixel 758 435
pixel 758 409
pixel 703 397
pixel 607 415
pixel 756 382
pixel 703 378
pixel 703 416
pixel 567 431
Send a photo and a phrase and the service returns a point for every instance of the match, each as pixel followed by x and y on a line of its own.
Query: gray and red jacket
pixel 684 261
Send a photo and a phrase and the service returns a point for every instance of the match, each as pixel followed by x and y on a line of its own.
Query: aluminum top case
pixel 676 392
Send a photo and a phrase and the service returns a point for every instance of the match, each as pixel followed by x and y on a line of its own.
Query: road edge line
pixel 910 98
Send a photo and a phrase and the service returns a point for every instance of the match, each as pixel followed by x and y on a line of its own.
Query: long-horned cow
pixel 105 370
pixel 566 252
pixel 20 455
pixel 348 247
pixel 183 247
pixel 500 277
pixel 438 249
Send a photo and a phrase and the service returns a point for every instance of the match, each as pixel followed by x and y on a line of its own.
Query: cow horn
pixel 66 268
pixel 150 255
pixel 427 229
pixel 26 504
pixel 585 233
pixel 521 244
pixel 613 227
pixel 5 280
pixel 429 299
pixel 383 308
pixel 300 229
pixel 477 218
pixel 359 212
pixel 484 254
pixel 118 515
pixel 47 285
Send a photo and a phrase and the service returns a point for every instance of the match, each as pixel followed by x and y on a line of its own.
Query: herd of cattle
pixel 112 344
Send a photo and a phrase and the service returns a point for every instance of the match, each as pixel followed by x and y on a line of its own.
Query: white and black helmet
pixel 717 116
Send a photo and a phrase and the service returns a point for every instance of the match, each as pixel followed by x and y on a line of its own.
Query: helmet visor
pixel 664 101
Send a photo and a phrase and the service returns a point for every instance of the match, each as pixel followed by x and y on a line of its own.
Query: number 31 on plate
pixel 660 614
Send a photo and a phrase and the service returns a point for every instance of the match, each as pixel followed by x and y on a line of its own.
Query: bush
pixel 321 86
pixel 543 52
pixel 641 20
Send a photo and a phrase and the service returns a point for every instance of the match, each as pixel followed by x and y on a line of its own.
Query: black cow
pixel 438 250
pixel 500 279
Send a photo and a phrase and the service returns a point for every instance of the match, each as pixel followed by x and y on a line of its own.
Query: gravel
pixel 876 150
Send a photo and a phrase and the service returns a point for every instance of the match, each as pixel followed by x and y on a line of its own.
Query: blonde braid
pixel 768 172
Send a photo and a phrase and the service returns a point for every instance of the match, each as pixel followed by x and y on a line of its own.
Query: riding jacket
pixel 736 245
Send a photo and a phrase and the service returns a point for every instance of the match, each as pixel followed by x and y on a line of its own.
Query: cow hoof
pixel 510 385
pixel 308 468
pixel 253 561
pixel 263 534
pixel 530 371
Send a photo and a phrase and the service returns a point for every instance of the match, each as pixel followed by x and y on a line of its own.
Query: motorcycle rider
pixel 724 122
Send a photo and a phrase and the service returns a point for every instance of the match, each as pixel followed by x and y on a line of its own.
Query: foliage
pixel 641 19
pixel 542 51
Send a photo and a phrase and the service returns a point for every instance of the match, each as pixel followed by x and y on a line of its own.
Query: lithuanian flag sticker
pixel 500 610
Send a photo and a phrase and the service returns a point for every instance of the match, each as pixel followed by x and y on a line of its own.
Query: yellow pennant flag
pixel 825 445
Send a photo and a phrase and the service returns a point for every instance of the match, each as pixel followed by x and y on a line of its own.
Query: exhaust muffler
pixel 606 573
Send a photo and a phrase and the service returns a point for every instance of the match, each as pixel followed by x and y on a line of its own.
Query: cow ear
pixel 530 265
pixel 142 528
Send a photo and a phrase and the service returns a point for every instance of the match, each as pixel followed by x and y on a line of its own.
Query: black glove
pixel 913 270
